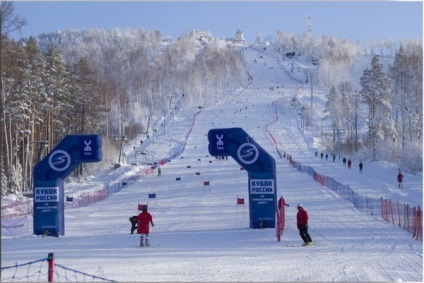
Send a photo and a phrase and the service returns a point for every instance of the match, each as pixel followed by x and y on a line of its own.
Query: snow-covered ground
pixel 201 235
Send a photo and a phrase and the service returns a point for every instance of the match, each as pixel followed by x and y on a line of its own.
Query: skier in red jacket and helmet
pixel 302 225
pixel 144 219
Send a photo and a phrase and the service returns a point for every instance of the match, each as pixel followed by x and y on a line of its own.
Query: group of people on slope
pixel 361 166
pixel 142 222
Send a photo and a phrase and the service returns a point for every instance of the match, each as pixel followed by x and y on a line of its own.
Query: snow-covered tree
pixel 58 96
pixel 376 93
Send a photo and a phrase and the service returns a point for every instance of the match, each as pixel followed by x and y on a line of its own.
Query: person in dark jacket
pixel 144 219
pixel 134 221
pixel 302 225
pixel 349 164
pixel 400 179
pixel 360 167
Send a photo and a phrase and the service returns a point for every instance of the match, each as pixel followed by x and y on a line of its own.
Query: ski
pixel 149 246
pixel 296 246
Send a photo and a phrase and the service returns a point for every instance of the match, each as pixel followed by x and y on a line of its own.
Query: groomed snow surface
pixel 201 235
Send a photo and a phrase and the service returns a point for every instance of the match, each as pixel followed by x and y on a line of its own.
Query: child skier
pixel 144 218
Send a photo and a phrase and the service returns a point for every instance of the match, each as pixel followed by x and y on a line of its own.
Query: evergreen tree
pixel 376 93
pixel 406 73
pixel 57 84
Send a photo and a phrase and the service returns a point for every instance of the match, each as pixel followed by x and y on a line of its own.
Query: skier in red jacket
pixel 302 225
pixel 144 218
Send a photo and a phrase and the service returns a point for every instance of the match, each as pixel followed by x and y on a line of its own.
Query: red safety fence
pixel 21 208
pixel 17 208
pixel 404 216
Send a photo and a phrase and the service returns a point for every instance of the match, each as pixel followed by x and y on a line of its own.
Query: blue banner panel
pixel 262 200
pixel 47 196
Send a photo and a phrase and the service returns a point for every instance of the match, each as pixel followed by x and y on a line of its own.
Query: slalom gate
pixel 46 270
pixel 404 216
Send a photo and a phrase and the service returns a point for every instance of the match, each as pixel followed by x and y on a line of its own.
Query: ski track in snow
pixel 201 235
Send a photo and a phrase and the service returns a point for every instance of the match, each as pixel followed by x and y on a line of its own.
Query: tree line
pixel 382 118
pixel 105 82
pixel 120 82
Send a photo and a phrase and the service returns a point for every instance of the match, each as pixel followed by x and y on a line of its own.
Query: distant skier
pixel 159 171
pixel 144 218
pixel 400 179
pixel 316 153
pixel 344 160
pixel 360 167
pixel 349 164
pixel 326 156
pixel 334 157
pixel 302 225
pixel 134 221
pixel 322 155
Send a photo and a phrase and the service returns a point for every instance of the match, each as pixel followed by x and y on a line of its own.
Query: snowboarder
pixel 349 164
pixel 134 221
pixel 400 179
pixel 159 171
pixel 144 218
pixel 302 225
pixel 360 167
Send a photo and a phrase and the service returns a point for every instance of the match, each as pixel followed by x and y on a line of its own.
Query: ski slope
pixel 201 235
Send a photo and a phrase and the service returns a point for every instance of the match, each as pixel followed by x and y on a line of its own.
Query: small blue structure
pixel 49 174
pixel 235 142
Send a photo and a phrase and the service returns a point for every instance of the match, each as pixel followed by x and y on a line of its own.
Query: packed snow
pixel 201 234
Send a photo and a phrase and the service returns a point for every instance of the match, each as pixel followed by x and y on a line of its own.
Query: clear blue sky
pixel 352 20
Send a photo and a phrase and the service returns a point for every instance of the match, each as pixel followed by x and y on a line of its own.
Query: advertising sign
pixel 49 174
pixel 235 142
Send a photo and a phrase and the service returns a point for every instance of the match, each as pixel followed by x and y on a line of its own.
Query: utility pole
pixel 338 133
pixel 312 95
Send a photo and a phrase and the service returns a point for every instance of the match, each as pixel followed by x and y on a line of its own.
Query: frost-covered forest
pixel 119 82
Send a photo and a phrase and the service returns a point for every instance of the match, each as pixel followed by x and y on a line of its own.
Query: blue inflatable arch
pixel 49 174
pixel 235 142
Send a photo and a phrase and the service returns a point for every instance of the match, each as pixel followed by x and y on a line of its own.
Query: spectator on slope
pixel 334 157
pixel 144 219
pixel 400 179
pixel 302 224
pixel 159 171
pixel 349 164
pixel 344 160
pixel 322 155
pixel 134 221
pixel 326 156
pixel 360 167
